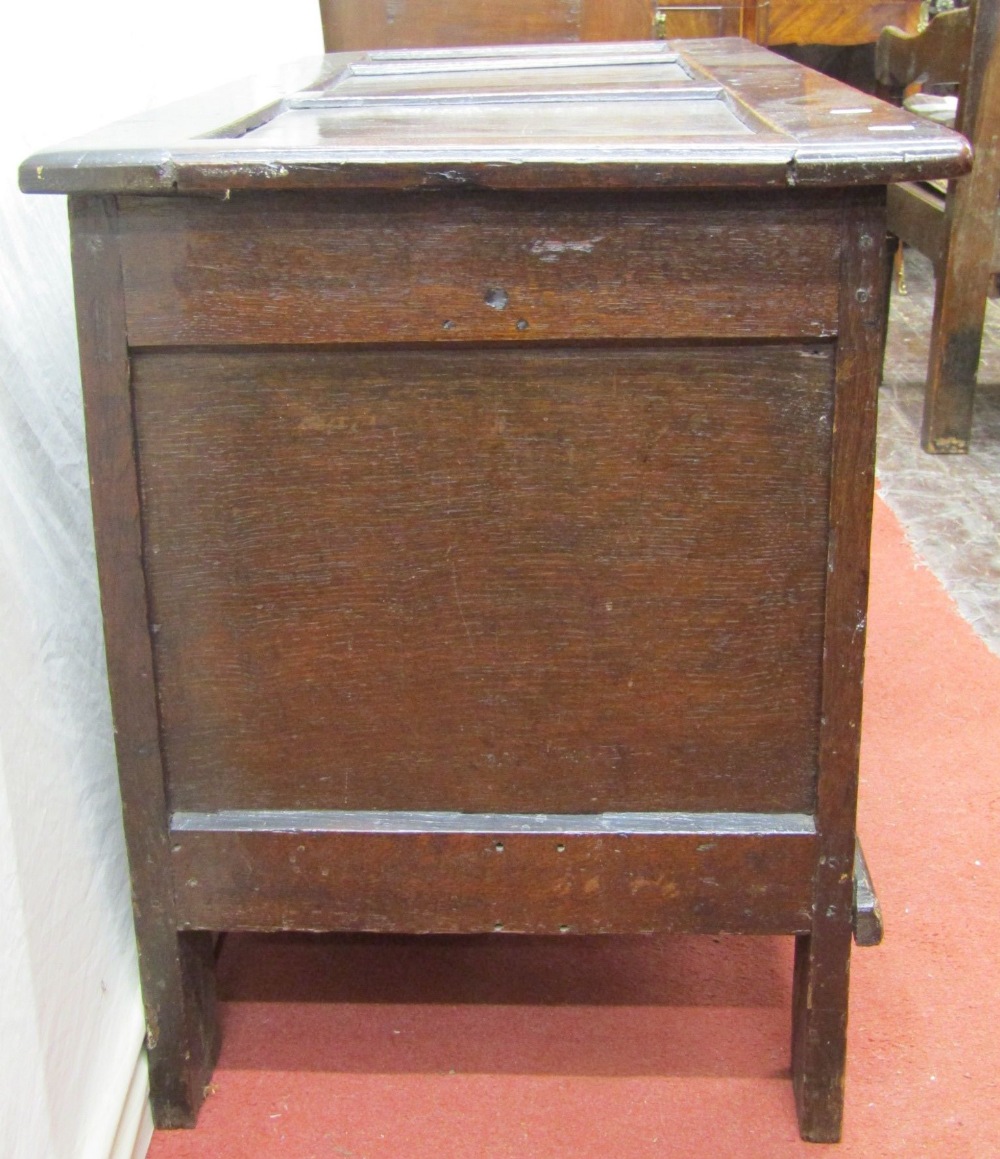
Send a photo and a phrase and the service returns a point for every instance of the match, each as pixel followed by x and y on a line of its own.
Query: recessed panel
pixel 521 580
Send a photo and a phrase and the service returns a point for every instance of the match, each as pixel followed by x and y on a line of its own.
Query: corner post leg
pixel 819 1029
pixel 182 1038
pixel 822 956
pixel 176 967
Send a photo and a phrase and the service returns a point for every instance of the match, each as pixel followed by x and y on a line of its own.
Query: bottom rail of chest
pixel 470 873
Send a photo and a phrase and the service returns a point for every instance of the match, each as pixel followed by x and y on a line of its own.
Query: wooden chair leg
pixel 899 270
pixel 893 260
pixel 819 1029
pixel 966 263
pixel 956 340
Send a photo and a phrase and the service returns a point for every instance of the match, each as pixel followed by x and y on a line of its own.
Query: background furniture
pixel 482 448
pixel 845 23
pixel 359 24
pixel 956 224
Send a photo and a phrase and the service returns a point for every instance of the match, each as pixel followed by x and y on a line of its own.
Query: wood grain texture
pixel 289 877
pixel 527 580
pixel 177 981
pixel 261 269
pixel 848 22
pixel 819 1040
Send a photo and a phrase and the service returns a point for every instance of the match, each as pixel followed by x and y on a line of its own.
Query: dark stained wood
pixel 176 969
pixel 959 229
pixel 499 269
pixel 819 1033
pixel 497 558
pixel 771 124
pixel 867 919
pixel 448 580
pixel 300 874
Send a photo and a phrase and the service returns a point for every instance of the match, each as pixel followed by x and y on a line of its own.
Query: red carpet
pixel 368 1048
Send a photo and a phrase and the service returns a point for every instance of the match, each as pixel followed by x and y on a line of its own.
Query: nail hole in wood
pixel 496 298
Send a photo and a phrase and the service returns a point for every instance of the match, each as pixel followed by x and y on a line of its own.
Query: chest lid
pixel 643 114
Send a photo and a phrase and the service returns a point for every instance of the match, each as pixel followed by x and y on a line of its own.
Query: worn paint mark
pixel 665 887
pixel 552 249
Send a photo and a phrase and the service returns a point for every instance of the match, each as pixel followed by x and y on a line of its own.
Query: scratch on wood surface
pixel 458 598
pixel 551 250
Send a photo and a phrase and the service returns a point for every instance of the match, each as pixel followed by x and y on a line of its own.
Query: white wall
pixel 70 1017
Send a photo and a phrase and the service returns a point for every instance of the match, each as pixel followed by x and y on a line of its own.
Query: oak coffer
pixel 481 445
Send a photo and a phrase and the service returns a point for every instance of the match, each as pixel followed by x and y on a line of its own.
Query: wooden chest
pixel 482 452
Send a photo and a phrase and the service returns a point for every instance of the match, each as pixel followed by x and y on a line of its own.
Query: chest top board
pixel 482 457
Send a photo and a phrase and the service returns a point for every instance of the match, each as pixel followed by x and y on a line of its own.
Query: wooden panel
pixel 269 875
pixel 263 270
pixel 525 580
pixel 517 75
pixel 848 22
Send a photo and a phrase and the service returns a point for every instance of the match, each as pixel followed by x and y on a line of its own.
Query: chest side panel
pixel 515 580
